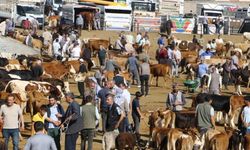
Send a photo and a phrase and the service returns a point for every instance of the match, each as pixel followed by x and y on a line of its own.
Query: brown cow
pixel 37 43
pixel 159 137
pixel 247 142
pixel 160 70
pixel 57 69
pixel 236 102
pixel 88 19
pixel 215 142
pixel 94 44
pixel 17 35
pixel 125 140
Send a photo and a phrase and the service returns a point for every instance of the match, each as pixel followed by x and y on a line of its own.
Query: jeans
pixel 70 141
pixel 97 24
pixel 87 134
pixel 135 74
pixel 55 134
pixel 136 120
pixel 81 88
pixel 104 120
pixel 144 84
pixel 205 29
pixel 101 61
pixel 175 68
pixel 14 134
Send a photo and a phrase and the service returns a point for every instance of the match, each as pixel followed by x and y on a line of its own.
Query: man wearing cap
pixel 74 122
pixel 132 65
pixel 176 99
pixel 114 115
pixel 202 69
pixel 82 74
pixel 144 76
pixel 93 90
pixel 245 115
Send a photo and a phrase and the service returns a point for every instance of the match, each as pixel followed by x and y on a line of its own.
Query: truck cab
pixel 27 11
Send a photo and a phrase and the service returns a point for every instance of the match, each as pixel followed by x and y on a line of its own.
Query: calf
pixel 247 142
pixel 218 139
pixel 108 140
pixel 125 140
pixel 160 70
pixel 236 103
pixel 185 119
pixel 206 138
pixel 159 137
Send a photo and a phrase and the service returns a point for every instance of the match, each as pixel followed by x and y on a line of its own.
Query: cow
pixel 243 46
pixel 53 21
pixel 206 138
pixel 160 70
pixel 23 87
pixel 236 103
pixel 22 74
pixel 108 140
pixel 37 43
pixel 219 103
pixel 160 137
pixel 3 62
pixel 88 19
pixel 58 70
pixel 94 44
pixel 36 100
pixel 125 140
pixel 223 137
pixel 247 142
pixel 185 119
pixel 246 36
pixel 183 45
pixel 17 35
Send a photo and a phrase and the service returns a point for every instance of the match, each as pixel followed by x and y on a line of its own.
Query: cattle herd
pixel 168 130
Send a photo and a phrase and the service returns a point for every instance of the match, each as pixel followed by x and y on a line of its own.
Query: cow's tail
pixel 7 87
pixel 109 43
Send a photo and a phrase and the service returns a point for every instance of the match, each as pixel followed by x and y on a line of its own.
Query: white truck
pixel 117 18
pixel 145 16
pixel 20 12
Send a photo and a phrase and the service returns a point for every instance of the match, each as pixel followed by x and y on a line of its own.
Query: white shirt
pixel 126 95
pixel 56 48
pixel 10 116
pixel 75 52
pixel 53 112
pixel 177 54
pixel 138 38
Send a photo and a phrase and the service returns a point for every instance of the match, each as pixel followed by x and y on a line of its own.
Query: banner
pixel 182 25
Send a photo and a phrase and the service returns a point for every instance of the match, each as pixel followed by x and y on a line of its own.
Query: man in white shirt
pixel 76 50
pixel 138 37
pixel 56 48
pixel 176 60
pixel 12 118
pixel 47 36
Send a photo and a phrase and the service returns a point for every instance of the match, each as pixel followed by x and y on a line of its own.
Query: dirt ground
pixel 157 97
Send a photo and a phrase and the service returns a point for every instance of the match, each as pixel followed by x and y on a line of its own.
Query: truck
pixel 21 11
pixel 145 16
pixel 117 18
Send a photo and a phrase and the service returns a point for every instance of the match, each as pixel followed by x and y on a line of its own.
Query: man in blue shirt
pixel 133 65
pixel 202 69
pixel 161 40
pixel 207 54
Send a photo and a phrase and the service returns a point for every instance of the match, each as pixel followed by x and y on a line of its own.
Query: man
pixel 26 24
pixel 12 118
pixel 40 141
pixel 53 120
pixel 137 114
pixel 82 75
pixel 138 37
pixel 74 121
pixel 132 65
pixel 205 25
pixel 75 51
pixel 97 20
pixel 226 73
pixel 102 55
pixel 111 65
pixel 57 49
pixel 234 65
pixel 214 82
pixel 205 116
pixel 79 23
pixel 176 59
pixel 245 116
pixel 219 24
pixel 93 90
pixel 28 40
pixel 207 54
pixel 144 76
pixel 90 115
pixel 195 40
pixel 39 116
pixel 169 25
pixel 103 106
pixel 114 115
pixel 175 99
pixel 161 40
pixel 202 69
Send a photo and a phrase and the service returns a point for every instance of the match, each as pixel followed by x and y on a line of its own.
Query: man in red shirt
pixel 26 24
